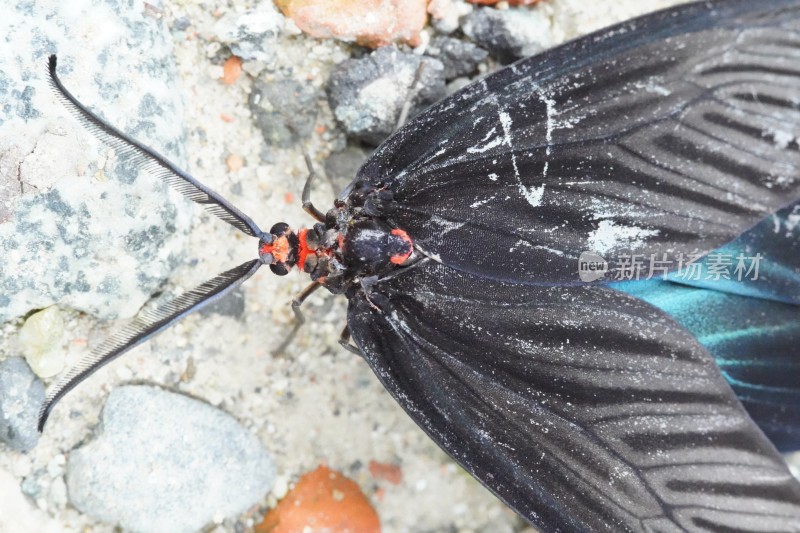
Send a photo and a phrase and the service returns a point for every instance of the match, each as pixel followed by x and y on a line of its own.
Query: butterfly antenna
pixel 144 327
pixel 151 160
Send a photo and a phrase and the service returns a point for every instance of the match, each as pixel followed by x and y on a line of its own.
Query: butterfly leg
pixel 299 318
pixel 307 205
pixel 344 342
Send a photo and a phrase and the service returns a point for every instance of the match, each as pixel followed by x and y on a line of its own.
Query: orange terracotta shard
pixel 231 70
pixel 322 500
pixel 370 23
pixel 510 2
pixel 386 472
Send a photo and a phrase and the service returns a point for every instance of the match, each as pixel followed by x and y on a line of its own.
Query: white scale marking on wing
pixel 533 195
pixel 521 243
pixel 497 141
pixel 446 225
pixel 550 105
pixel 479 203
pixel 610 235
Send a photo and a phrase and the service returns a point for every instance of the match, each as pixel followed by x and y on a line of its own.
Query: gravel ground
pixel 314 404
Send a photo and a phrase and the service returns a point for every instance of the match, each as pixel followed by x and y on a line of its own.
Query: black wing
pixel 151 160
pixel 146 326
pixel 582 408
pixel 671 133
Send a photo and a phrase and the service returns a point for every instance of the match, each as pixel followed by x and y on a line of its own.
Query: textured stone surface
pixel 341 167
pixel 509 34
pixel 371 23
pixel 367 94
pixel 21 394
pixel 77 227
pixel 283 105
pixel 460 58
pixel 252 35
pixel 445 14
pixel 167 462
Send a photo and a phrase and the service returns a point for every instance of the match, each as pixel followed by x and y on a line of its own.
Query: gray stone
pixel 181 23
pixel 366 95
pixel 80 227
pixel 281 107
pixel 252 35
pixel 167 462
pixel 460 58
pixel 509 34
pixel 21 395
pixel 341 167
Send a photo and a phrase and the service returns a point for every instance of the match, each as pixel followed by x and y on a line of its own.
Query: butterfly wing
pixel 582 408
pixel 669 134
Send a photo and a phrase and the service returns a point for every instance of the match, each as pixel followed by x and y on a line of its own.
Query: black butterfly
pixel 457 244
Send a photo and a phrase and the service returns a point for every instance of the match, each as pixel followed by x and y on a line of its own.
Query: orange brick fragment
pixel 322 500
pixel 235 163
pixel 232 69
pixel 386 472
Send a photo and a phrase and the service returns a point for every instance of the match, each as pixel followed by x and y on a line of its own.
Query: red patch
pixel 399 259
pixel 279 248
pixel 302 249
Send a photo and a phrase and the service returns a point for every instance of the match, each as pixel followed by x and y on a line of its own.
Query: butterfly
pixel 584 406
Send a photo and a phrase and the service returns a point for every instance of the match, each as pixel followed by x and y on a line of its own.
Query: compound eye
pixel 279 269
pixel 279 229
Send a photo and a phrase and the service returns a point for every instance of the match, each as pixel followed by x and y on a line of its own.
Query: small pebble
pixel 21 395
pixel 460 58
pixel 234 162
pixel 181 23
pixel 252 35
pixel 167 462
pixel 445 14
pixel 509 34
pixel 322 500
pixel 371 23
pixel 366 95
pixel 281 107
pixel 40 339
pixel 386 472
pixel 232 69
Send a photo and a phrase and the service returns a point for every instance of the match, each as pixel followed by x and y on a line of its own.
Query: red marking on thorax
pixel 279 248
pixel 399 259
pixel 302 248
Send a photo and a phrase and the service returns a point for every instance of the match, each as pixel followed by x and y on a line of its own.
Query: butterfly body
pixel 348 246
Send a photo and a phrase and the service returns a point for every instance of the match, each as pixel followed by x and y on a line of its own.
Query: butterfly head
pixel 279 248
